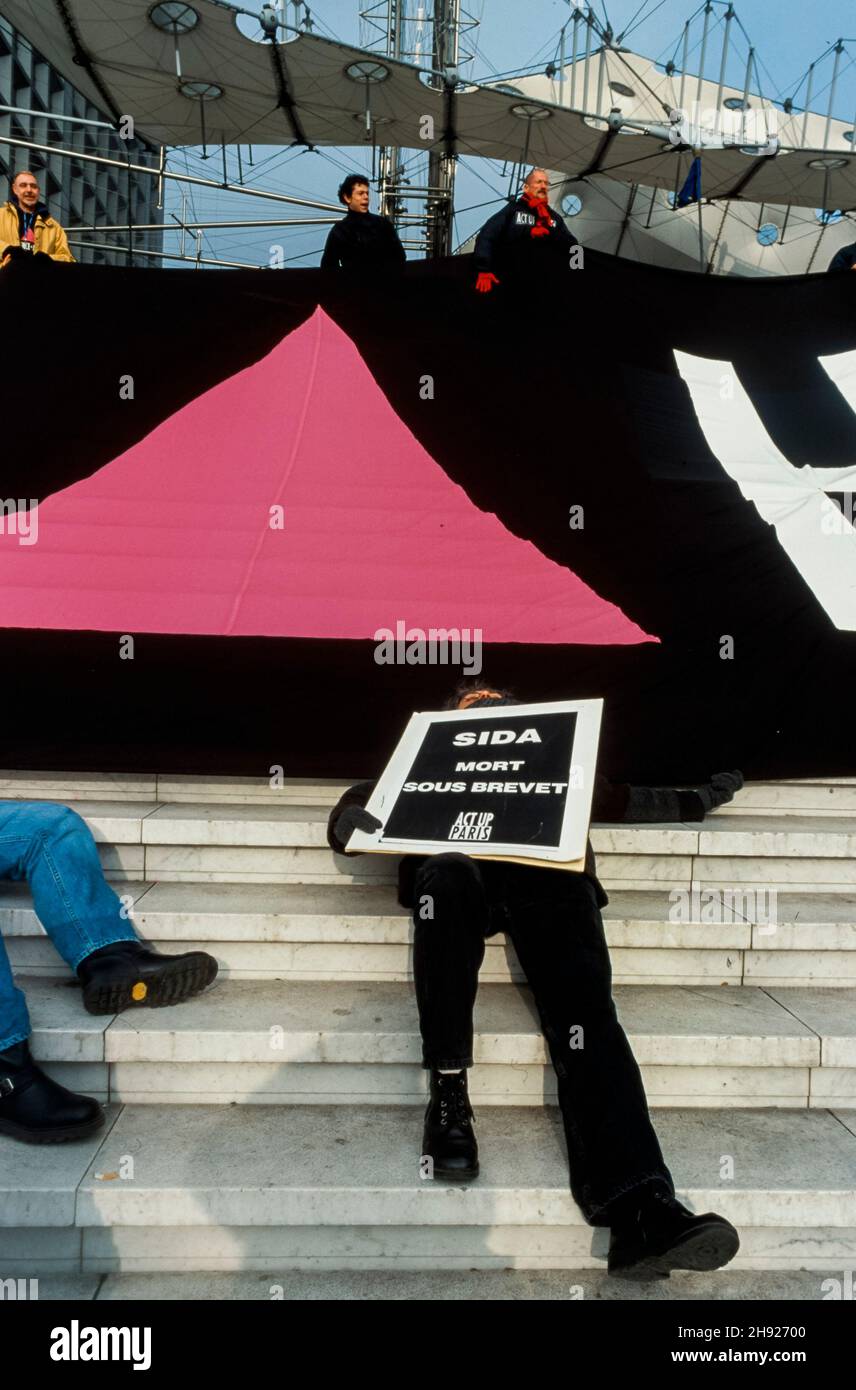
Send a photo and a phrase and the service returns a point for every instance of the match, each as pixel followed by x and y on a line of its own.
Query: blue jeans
pixel 53 849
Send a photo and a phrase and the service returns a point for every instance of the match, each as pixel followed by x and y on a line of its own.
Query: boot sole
pixel 457 1174
pixel 172 984
pixel 55 1136
pixel 705 1249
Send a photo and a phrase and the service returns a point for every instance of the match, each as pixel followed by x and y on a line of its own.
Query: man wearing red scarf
pixel 526 238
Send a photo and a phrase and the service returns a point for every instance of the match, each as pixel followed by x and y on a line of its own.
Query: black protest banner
pixel 719 629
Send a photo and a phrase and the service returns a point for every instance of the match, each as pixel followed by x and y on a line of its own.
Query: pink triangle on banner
pixel 288 501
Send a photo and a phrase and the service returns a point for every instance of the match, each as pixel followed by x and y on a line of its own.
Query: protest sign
pixel 504 782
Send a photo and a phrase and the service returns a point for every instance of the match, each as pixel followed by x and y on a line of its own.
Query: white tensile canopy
pixel 316 91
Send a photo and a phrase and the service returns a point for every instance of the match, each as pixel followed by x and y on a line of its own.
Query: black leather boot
pixel 662 1235
pixel 38 1110
pixel 132 972
pixel 448 1137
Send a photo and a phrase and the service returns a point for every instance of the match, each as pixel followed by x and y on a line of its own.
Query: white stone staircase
pixel 274 1125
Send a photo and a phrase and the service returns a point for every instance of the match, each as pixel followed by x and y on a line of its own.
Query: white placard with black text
pixel 508 781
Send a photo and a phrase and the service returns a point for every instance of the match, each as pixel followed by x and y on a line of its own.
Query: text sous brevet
pixel 467 738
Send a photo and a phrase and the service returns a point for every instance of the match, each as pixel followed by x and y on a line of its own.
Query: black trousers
pixel 554 923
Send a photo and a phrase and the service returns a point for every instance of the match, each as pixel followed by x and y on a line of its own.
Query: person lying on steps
pixel 618 1176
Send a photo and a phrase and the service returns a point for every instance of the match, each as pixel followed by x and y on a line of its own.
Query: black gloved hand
pixel 42 258
pixel 14 253
pixel 719 789
pixel 353 818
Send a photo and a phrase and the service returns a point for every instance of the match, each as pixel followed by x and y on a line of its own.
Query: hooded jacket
pixel 49 235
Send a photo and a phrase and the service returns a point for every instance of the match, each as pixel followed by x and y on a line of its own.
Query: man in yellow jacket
pixel 26 228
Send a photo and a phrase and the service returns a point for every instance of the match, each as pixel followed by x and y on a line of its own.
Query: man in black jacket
pixel 845 259
pixel 362 241
pixel 552 917
pixel 525 239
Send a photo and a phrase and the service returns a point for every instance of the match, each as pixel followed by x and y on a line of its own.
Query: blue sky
pixel 513 33
pixel 516 36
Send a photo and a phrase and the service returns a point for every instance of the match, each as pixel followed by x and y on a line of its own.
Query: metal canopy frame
pixel 115 40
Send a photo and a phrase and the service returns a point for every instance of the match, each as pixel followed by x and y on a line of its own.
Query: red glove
pixel 485 282
pixel 540 231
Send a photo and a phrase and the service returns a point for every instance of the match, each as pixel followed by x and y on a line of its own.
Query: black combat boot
pixel 448 1138
pixel 132 972
pixel 38 1110
pixel 662 1234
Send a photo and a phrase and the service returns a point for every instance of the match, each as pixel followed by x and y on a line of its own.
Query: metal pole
pixel 744 112
pixel 168 255
pixel 839 49
pixel 634 188
pixel 808 94
pixel 586 62
pixel 129 189
pixel 715 246
pixel 729 15
pixel 574 60
pixel 168 174
pixel 600 79
pixel 815 248
pixel 183 243
pixel 684 62
pixel 384 158
pixel 654 192
pixel 526 144
pixel 702 260
pixel 763 107
pixel 161 167
pixel 707 12
pixel 182 226
pixel 562 66
pixel 441 166
pixel 55 116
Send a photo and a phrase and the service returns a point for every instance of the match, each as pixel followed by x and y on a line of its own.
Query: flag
pixel 691 191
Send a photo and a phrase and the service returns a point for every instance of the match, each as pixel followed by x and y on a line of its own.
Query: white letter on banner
pixel 792 499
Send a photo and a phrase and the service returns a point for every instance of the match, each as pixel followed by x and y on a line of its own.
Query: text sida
pixel 469 736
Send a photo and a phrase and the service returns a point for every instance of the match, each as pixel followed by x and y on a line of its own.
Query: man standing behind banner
pixel 552 917
pixel 524 239
pixel 26 228
pixel 362 241
pixel 845 259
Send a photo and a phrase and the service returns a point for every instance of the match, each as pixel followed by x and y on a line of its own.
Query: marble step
pixel 347 932
pixel 816 796
pixel 287 843
pixel 320 1043
pixel 460 1285
pixel 257 1188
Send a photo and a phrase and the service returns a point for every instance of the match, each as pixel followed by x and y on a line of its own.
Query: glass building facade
pixel 78 193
